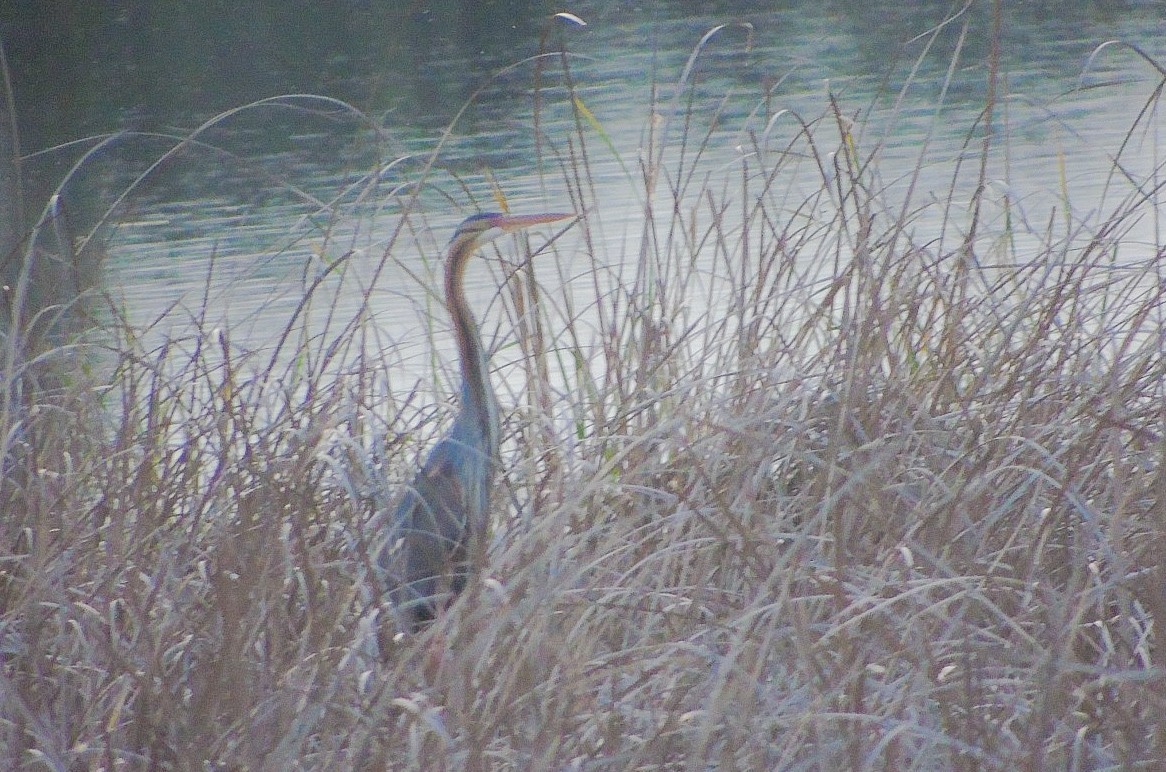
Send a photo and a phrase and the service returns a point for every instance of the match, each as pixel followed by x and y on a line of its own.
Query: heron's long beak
pixel 515 222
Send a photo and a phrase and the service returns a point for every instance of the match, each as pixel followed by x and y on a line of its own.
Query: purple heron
pixel 443 518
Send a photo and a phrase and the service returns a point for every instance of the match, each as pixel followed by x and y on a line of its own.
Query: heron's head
pixel 483 228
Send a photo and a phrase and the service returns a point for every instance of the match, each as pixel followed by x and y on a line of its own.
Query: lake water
pixel 231 230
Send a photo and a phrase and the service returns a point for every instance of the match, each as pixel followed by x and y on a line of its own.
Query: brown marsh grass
pixel 791 490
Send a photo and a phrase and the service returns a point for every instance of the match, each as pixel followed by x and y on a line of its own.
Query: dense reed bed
pixel 785 487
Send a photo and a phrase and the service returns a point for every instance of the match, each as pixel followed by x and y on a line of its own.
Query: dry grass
pixel 794 491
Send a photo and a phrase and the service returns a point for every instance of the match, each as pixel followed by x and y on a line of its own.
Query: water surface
pixel 232 229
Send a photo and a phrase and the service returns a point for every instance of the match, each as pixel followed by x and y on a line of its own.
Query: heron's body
pixel 443 518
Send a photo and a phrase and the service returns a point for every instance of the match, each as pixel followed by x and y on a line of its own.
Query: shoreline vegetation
pixel 795 490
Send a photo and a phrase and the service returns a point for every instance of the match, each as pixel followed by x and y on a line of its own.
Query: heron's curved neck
pixel 477 395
